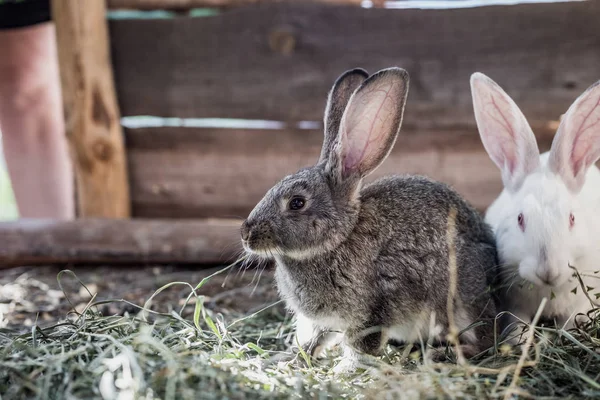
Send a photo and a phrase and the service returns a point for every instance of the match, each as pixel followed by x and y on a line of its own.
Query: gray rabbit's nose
pixel 245 230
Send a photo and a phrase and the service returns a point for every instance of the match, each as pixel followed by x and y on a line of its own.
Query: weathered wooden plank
pixel 85 241
pixel 189 4
pixel 189 172
pixel 278 61
pixel 91 109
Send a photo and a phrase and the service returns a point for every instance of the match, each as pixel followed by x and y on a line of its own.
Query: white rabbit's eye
pixel 571 220
pixel 296 203
pixel 521 221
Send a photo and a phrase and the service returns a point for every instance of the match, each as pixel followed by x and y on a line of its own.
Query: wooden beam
pixel 282 67
pixel 197 173
pixel 190 4
pixel 90 241
pixel 91 110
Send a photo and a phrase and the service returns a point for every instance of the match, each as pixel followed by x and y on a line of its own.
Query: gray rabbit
pixel 371 263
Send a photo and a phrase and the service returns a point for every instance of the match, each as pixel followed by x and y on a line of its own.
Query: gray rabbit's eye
pixel 296 203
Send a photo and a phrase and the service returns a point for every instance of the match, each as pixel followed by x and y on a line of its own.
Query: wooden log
pixel 288 56
pixel 197 173
pixel 190 4
pixel 91 110
pixel 118 241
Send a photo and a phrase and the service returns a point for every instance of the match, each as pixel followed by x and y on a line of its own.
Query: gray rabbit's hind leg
pixel 371 340
pixel 360 341
pixel 446 354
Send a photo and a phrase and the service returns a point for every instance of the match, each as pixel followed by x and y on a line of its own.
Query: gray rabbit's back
pixel 416 210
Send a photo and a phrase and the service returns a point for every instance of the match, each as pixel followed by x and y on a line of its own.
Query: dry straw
pixel 197 352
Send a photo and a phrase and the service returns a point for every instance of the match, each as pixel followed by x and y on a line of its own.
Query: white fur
pixel 415 329
pixel 546 204
pixel 423 327
pixel 304 254
pixel 463 320
pixel 305 329
pixel 349 362
pixel 546 193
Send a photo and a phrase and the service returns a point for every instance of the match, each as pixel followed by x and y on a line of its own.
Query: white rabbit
pixel 546 220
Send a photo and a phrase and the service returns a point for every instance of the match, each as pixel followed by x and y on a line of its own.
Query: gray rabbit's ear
pixel 337 101
pixel 369 125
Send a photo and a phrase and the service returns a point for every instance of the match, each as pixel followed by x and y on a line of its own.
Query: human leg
pixel 32 123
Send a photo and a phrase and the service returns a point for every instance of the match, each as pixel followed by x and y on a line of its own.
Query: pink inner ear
pixel 577 144
pixel 504 131
pixel 584 137
pixel 367 126
pixel 507 144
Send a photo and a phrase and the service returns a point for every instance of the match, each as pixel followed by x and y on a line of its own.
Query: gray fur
pixel 374 257
pixel 338 98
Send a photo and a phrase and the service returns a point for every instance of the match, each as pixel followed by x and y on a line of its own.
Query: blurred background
pixel 219 103
pixel 8 207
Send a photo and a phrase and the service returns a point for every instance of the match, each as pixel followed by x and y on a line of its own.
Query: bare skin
pixel 32 123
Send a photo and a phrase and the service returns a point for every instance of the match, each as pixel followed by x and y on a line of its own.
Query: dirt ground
pixel 30 295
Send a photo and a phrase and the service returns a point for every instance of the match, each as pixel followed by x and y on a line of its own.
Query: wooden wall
pixel 278 61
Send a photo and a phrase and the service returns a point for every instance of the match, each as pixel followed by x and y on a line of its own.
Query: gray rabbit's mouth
pixel 264 252
pixel 259 249
pixel 271 252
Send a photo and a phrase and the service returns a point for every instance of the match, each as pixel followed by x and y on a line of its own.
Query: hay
pixel 197 353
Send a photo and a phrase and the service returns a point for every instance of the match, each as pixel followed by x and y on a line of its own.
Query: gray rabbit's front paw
pixel 314 340
pixel 305 330
pixel 349 362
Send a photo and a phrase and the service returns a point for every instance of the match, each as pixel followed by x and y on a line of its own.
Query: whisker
pixel 259 276
pixel 256 272
pixel 242 254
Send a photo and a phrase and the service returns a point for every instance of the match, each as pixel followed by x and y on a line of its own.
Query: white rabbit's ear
pixel 576 145
pixel 370 124
pixel 337 101
pixel 504 131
